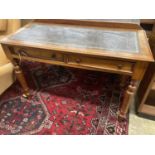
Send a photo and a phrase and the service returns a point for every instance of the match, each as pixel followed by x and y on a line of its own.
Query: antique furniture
pixel 114 47
pixel 6 67
pixel 146 93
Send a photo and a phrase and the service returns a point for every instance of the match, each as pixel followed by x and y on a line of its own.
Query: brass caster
pixel 26 95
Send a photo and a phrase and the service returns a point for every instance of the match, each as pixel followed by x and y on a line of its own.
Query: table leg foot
pixel 121 116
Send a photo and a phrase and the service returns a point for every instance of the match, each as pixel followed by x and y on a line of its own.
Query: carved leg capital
pixel 124 79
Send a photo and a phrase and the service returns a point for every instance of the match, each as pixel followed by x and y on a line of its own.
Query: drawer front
pixel 77 61
pixel 39 53
pixel 102 64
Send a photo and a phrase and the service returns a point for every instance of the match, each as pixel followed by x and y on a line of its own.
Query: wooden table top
pixel 126 43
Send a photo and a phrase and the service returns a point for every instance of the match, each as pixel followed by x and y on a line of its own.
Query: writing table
pixel 113 47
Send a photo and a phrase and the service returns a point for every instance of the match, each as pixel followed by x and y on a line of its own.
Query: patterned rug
pixel 64 101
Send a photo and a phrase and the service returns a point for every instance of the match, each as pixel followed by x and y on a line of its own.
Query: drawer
pixel 39 53
pixel 77 61
pixel 102 64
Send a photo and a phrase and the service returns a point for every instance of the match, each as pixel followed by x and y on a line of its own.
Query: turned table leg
pixel 21 79
pixel 127 99
pixel 138 73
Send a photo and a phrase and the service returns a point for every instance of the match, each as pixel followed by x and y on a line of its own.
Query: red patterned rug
pixel 64 101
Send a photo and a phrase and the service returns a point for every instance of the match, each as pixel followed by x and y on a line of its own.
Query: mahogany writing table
pixel 112 47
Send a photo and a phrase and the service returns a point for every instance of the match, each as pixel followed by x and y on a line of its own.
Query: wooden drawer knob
pixel 53 56
pixel 78 60
pixel 120 66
